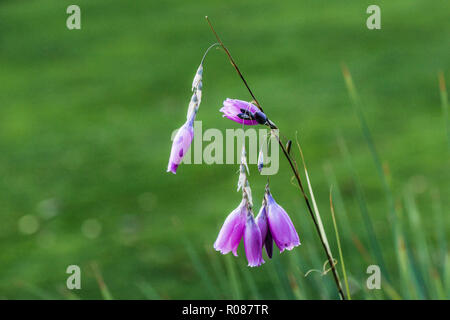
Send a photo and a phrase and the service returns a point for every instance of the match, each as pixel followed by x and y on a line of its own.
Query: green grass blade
pixel 200 268
pixel 309 258
pixel 40 293
pixel 318 218
pixel 438 284
pixel 283 279
pixel 294 286
pixel 373 240
pixel 101 283
pixel 278 287
pixel 369 140
pixel 404 267
pixel 236 291
pixel 420 241
pixel 341 257
pixel 447 276
pixel 439 229
pixel 219 272
pixel 250 281
pixel 197 263
pixel 444 104
pixel 344 222
pixel 148 291
pixel 296 277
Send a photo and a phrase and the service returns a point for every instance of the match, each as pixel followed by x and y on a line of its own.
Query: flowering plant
pixel 272 223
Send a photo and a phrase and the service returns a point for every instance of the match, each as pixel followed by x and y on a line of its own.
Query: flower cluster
pixel 272 223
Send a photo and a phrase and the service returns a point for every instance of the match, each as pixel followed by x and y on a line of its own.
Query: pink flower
pixel 280 225
pixel 252 242
pixel 231 233
pixel 180 145
pixel 243 112
pixel 239 224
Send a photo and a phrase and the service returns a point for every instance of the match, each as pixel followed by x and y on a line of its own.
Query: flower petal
pixel 232 230
pixel 253 242
pixel 240 111
pixel 180 145
pixel 280 225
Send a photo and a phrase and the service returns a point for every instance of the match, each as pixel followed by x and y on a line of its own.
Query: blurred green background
pixel 85 123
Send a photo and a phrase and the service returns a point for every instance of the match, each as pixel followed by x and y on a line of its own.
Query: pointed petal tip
pixel 174 171
pixel 290 247
pixel 253 265
pixel 221 250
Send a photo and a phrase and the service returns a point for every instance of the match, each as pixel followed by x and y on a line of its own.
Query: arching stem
pixel 291 163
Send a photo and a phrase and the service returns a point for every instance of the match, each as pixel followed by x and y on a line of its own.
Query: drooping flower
pixel 263 224
pixel 194 104
pixel 241 224
pixel 243 112
pixel 252 242
pixel 197 87
pixel 180 145
pixel 185 134
pixel 231 233
pixel 280 225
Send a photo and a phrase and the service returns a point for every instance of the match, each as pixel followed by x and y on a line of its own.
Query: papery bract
pixel 196 83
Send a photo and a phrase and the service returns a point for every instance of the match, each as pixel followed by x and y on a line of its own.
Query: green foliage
pixel 86 118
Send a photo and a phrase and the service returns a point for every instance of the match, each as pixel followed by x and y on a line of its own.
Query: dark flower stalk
pixel 292 165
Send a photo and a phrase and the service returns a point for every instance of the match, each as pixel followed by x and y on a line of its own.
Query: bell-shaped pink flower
pixel 252 242
pixel 280 225
pixel 232 230
pixel 263 224
pixel 243 112
pixel 181 144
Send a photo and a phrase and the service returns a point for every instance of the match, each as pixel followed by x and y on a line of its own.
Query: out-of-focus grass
pixel 444 103
pixel 85 123
pixel 341 256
